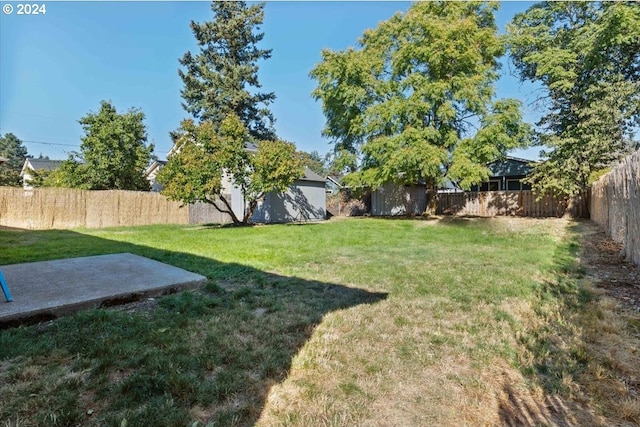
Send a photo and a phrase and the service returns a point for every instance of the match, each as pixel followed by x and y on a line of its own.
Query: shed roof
pixel 310 175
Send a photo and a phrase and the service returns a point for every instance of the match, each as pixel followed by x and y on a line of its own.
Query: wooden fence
pixel 615 205
pixel 60 208
pixel 493 203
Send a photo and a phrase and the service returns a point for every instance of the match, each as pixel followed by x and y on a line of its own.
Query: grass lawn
pixel 360 322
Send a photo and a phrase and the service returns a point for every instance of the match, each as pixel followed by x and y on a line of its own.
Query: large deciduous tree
pixel 113 154
pixel 222 78
pixel 415 100
pixel 586 56
pixel 209 160
pixel 12 149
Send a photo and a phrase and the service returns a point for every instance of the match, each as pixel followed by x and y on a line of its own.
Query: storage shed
pixel 396 199
pixel 305 200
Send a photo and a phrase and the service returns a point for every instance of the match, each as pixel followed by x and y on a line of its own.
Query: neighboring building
pixel 506 175
pixel 32 165
pixel 449 187
pixel 304 201
pixel 396 199
pixel 333 185
pixel 2 160
pixel 151 174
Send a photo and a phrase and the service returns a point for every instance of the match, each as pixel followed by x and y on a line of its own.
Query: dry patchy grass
pixel 359 322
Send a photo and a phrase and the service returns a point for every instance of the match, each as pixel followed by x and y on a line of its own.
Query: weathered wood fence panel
pixel 60 208
pixel 615 204
pixel 205 213
pixel 494 203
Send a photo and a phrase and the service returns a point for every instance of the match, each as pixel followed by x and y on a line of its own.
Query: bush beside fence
pixel 60 208
pixel 615 205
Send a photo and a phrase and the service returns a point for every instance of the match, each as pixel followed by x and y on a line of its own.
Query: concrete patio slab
pixel 44 290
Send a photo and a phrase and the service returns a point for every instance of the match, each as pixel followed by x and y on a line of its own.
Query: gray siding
pixel 394 199
pixel 237 202
pixel 303 201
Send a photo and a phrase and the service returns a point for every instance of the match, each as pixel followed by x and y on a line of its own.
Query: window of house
pixel 490 186
pixel 514 185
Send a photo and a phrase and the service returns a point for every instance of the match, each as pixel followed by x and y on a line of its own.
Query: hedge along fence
pixel 59 208
pixel 615 205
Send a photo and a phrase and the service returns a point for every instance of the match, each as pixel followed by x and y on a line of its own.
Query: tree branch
pixel 229 210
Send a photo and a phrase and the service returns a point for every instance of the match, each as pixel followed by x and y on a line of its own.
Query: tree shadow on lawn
pixel 209 355
pixel 558 359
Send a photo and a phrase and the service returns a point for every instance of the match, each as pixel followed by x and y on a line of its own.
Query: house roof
pixel 3 159
pixel 153 166
pixel 510 166
pixel 42 164
pixel 335 180
pixel 448 185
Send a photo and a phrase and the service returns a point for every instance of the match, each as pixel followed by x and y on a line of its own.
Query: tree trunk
pixel 252 207
pixel 584 198
pixel 578 206
pixel 228 210
pixel 432 200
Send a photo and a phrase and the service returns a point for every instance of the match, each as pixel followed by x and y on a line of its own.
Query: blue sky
pixel 57 67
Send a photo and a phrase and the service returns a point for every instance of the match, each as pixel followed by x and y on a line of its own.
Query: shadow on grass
pixel 556 352
pixel 209 355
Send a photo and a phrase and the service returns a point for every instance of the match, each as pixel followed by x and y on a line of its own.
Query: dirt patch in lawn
pixel 612 330
pixel 602 257
pixel 588 344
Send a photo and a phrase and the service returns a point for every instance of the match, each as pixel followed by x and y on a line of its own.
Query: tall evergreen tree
pixel 221 91
pixel 223 77
pixel 15 152
pixel 586 56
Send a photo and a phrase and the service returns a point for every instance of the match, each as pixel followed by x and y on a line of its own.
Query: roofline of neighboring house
pixel 518 159
pixel 330 178
pixel 154 165
pixel 3 159
pixel 28 165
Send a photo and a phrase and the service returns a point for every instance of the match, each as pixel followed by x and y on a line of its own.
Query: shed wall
pixel 303 201
pixel 393 199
